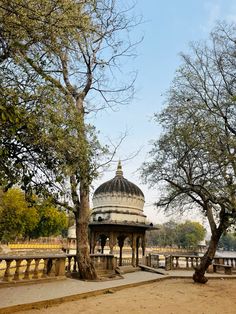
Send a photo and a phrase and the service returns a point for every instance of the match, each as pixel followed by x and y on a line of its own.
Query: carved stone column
pixel 143 245
pixel 92 242
pixel 133 249
pixel 112 242
pixel 137 247
pixel 103 239
pixel 121 244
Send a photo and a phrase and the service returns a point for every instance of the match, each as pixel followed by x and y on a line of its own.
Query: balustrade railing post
pixel 75 264
pixel 192 265
pixel 45 266
pixel 17 271
pixel 187 264
pixel 52 270
pixel 7 274
pixel 60 267
pixel 36 269
pixel 177 262
pixel 69 264
pixel 27 270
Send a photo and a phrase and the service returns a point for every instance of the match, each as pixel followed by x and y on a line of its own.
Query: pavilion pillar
pixel 133 250
pixel 111 242
pixel 103 242
pixel 121 244
pixel 92 242
pixel 137 247
pixel 143 245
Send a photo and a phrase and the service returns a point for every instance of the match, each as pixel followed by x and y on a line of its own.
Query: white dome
pixel 118 200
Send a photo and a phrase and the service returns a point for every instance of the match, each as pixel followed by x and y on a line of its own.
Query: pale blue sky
pixel 168 28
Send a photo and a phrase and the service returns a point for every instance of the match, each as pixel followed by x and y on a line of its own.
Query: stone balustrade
pixel 231 261
pixel 104 261
pixel 153 260
pixel 184 261
pixel 126 261
pixel 189 262
pixel 23 268
pixel 104 264
pixel 16 268
pixel 71 264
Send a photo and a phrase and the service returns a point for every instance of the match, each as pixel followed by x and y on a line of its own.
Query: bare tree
pixel 195 156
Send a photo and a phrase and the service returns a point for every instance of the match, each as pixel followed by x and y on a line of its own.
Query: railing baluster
pixel 187 265
pixel 69 264
pixel 75 264
pixel 7 274
pixel 45 266
pixel 27 270
pixel 36 269
pixel 177 262
pixel 197 261
pixel 52 271
pixel 17 271
pixel 172 262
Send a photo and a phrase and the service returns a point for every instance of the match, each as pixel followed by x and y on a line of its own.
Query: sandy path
pixel 170 296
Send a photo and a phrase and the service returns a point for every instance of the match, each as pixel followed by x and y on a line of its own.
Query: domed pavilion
pixel 117 217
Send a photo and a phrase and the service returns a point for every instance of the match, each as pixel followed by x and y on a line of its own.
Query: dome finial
pixel 119 171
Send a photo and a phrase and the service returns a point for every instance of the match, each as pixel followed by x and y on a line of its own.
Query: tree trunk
pixel 85 265
pixel 199 275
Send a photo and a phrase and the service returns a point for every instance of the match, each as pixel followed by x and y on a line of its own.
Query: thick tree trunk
pixel 199 275
pixel 85 265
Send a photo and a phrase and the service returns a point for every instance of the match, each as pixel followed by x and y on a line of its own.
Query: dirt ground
pixel 170 296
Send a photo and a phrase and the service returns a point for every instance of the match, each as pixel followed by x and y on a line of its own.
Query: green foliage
pixel 51 221
pixel 164 236
pixel 19 219
pixel 228 241
pixel 57 58
pixel 190 233
pixel 25 28
pixel 52 55
pixel 185 235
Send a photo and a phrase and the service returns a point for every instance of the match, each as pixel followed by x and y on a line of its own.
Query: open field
pixel 170 296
